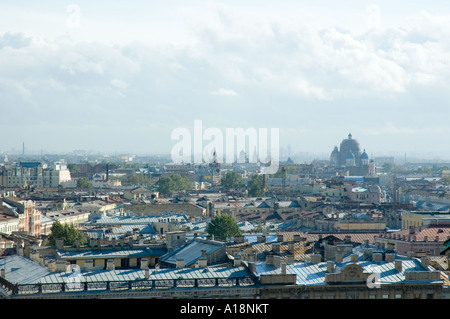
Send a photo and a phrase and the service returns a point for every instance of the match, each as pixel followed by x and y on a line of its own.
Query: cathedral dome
pixel 364 155
pixel 350 155
pixel 348 145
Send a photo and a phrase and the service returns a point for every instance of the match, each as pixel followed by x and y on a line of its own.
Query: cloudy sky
pixel 116 76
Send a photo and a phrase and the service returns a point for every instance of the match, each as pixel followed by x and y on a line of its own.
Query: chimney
pixel 297 238
pixel 410 254
pixel 51 265
pixel 291 247
pixel 276 261
pixel 398 265
pixel 390 246
pixel 110 264
pixel 89 264
pixel 425 262
pixel 354 258
pixel 180 263
pixel 330 266
pixel 34 255
pixel 144 263
pixel 147 273
pixel 261 239
pixel 62 265
pixel 425 238
pixel 252 267
pixel 280 238
pixel 389 257
pixel 3 273
pixel 59 243
pixel 347 239
pixel 202 262
pixel 377 257
pixel 290 259
pixel 283 268
pixel 339 258
pixel 237 261
pixel 366 242
pixel 269 259
pixel 276 248
pixel 367 253
pixel 315 258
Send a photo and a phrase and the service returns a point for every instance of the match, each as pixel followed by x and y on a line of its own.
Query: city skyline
pixel 121 77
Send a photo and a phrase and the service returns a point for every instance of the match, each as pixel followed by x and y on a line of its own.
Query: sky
pixel 121 76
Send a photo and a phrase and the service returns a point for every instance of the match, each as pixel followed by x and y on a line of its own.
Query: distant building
pixel 350 157
pixel 34 174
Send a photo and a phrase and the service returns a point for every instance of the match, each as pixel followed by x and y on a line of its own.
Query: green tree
pixel 223 226
pixel 67 232
pixel 73 168
pixel 256 186
pixel 174 182
pixel 83 182
pixel 233 180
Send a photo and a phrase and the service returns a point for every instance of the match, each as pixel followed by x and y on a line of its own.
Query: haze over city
pixel 121 76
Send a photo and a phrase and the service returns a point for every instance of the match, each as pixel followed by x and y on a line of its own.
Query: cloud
pixel 318 76
pixel 224 92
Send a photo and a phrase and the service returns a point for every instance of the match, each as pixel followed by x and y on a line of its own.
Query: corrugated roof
pixel 191 251
pixel 314 273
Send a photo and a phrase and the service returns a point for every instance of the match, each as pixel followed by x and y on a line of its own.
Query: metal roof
pixel 20 270
pixel 314 273
pixel 109 253
pixel 192 251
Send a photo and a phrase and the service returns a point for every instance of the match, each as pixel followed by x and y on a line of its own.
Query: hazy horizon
pixel 120 77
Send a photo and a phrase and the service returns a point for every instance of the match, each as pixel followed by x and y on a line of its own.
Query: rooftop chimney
pixel 280 238
pixel 144 263
pixel 89 264
pixel 425 262
pixel 330 266
pixel 276 248
pixel 367 253
pixel 180 263
pixel 283 268
pixel 237 261
pixel 339 258
pixel 377 257
pixel 354 258
pixel 316 258
pixel 389 257
pixel 398 265
pixel 147 273
pixel 277 261
pixel 110 264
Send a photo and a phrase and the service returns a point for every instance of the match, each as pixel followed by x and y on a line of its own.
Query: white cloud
pixel 224 92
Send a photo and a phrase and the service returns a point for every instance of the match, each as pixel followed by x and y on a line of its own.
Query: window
pixel 385 296
pixel 372 296
pixel 398 296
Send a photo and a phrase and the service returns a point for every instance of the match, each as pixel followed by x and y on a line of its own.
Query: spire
pixel 349 136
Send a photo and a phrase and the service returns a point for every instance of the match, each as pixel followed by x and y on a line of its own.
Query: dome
pixel 350 155
pixel 364 155
pixel 349 145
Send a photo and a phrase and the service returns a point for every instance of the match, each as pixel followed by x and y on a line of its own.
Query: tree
pixel 256 186
pixel 174 182
pixel 73 168
pixel 233 180
pixel 67 232
pixel 83 182
pixel 223 226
